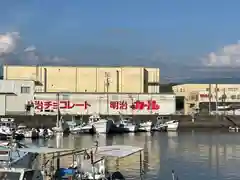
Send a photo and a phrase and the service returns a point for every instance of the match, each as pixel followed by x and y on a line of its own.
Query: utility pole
pixel 223 101
pixel 107 83
pixel 100 104
pixel 216 103
pixel 130 96
pixel 58 111
pixel 209 99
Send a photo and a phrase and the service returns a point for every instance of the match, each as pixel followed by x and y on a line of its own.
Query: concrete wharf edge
pixel 200 121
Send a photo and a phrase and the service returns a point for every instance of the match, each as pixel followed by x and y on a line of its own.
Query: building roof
pixel 213 81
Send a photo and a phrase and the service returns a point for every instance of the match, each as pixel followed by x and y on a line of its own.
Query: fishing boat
pixel 100 125
pixel 164 123
pixel 7 129
pixel 27 170
pixel 28 133
pixel 172 125
pixel 126 123
pixel 145 126
pixel 160 124
pixel 88 164
pixel 82 127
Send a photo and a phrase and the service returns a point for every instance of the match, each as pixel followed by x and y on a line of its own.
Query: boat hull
pixel 103 126
pixel 83 129
pixel 130 128
pixel 145 127
pixel 172 127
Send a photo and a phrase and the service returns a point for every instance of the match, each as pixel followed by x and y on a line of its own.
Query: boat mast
pixel 58 111
pixel 107 76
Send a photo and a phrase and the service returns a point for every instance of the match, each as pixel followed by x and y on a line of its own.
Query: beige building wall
pixel 86 79
pixel 132 79
pixel 20 72
pixel 190 90
pixel 153 74
pixel 153 80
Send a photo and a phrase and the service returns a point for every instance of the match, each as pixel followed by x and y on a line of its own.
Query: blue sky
pixel 124 31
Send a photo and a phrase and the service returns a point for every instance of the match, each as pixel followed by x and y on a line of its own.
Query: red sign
pixel 138 105
pixel 49 105
pixel 118 105
pixel 204 95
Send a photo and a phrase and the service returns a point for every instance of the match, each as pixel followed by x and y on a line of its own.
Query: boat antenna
pixel 173 175
pixel 96 146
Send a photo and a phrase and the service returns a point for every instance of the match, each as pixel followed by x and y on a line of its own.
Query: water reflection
pixel 198 155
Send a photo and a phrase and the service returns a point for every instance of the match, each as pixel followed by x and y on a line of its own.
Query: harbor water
pixel 192 155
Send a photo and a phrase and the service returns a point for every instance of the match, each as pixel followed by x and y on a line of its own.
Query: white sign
pixel 83 103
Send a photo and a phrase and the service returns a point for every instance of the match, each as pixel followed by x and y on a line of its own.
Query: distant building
pixel 195 95
pixel 16 97
pixel 87 79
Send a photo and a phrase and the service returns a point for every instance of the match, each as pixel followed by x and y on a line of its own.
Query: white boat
pixel 101 126
pixel 45 133
pixel 7 127
pixel 126 124
pixel 129 126
pixel 83 128
pixel 145 126
pixel 234 129
pixel 28 133
pixel 172 125
pixel 159 127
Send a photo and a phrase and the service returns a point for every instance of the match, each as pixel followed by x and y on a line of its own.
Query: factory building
pixel 16 97
pixel 87 79
pixel 196 96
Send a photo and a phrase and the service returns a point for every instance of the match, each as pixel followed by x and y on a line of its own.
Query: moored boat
pixel 100 125
pixel 145 126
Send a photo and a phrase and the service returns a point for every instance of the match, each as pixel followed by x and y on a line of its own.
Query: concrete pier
pixel 200 121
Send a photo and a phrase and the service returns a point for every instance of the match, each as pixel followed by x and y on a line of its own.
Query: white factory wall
pixel 46 103
pixel 2 104
pixel 230 96
pixel 16 93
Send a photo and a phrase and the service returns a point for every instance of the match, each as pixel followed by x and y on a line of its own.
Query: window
pixel 182 90
pixel 238 96
pixel 233 97
pixel 232 89
pixel 25 90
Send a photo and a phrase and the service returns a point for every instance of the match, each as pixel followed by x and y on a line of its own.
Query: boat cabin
pixel 94 118
pixel 8 122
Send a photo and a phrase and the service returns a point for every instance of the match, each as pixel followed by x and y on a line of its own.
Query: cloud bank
pixel 228 56
pixel 9 44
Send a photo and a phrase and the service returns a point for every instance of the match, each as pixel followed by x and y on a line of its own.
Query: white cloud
pixel 30 48
pixel 30 55
pixel 8 42
pixel 229 55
